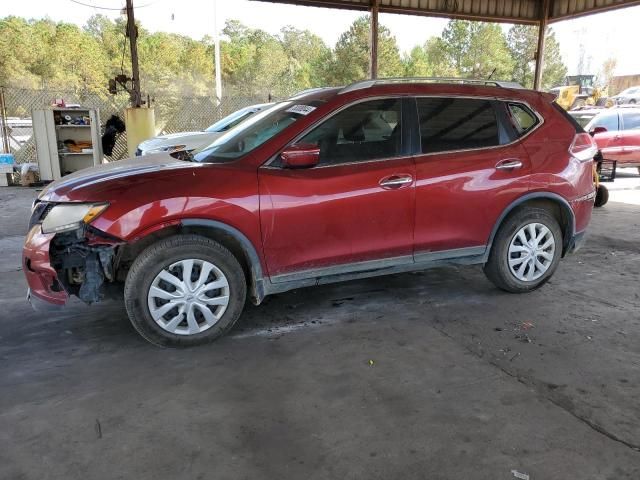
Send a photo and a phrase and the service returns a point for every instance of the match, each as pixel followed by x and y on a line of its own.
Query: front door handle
pixel 509 164
pixel 396 181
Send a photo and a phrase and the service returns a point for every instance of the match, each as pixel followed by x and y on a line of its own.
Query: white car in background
pixel 629 96
pixel 188 141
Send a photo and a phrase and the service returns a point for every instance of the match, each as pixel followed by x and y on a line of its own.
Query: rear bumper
pixel 44 287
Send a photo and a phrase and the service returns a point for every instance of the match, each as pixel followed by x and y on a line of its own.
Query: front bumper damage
pixel 78 262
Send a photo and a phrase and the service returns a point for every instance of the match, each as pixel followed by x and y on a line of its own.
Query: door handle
pixel 510 164
pixel 396 181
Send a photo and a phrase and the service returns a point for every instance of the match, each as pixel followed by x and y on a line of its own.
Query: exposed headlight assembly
pixel 69 216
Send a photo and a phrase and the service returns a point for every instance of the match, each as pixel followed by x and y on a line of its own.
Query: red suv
pixel 333 184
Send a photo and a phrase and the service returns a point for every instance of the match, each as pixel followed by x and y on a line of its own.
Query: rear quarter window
pixel 522 118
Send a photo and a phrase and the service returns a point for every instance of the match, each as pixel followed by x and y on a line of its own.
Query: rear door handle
pixel 396 181
pixel 509 164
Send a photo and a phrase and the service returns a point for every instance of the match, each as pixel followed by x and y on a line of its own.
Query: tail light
pixel 583 147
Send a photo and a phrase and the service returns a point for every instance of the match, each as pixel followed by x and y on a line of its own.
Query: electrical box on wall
pixel 67 140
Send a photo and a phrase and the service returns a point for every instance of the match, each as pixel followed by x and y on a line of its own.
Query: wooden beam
pixel 542 31
pixel 373 41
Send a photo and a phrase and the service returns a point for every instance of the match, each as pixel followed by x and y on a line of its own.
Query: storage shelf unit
pixel 60 131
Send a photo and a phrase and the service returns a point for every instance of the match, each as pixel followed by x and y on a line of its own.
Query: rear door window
pixel 448 124
pixel 631 120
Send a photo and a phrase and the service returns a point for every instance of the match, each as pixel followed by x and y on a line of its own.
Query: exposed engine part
pixel 82 267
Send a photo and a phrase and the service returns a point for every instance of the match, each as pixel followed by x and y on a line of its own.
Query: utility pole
pixel 216 42
pixel 132 33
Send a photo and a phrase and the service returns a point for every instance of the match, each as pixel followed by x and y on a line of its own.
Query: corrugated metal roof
pixel 512 11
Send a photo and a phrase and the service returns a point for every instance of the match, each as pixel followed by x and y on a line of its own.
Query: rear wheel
pixel 602 196
pixel 525 251
pixel 184 290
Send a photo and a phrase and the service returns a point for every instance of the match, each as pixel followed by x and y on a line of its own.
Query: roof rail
pixel 307 91
pixel 387 81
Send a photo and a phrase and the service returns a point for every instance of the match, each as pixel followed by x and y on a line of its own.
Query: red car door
pixel 608 141
pixel 354 208
pixel 626 142
pixel 465 178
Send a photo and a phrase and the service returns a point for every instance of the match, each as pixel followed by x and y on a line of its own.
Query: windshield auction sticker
pixel 301 109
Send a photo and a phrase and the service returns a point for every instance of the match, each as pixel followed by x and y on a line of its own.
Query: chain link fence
pixel 172 115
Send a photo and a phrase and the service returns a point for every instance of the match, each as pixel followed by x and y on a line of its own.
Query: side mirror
pixel 597 130
pixel 300 156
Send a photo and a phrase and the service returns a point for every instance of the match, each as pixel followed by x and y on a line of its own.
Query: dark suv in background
pixel 334 184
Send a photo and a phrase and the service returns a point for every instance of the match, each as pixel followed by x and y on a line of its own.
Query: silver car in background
pixel 187 141
pixel 629 96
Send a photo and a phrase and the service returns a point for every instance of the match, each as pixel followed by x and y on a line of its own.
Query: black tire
pixel 497 267
pixel 602 196
pixel 164 253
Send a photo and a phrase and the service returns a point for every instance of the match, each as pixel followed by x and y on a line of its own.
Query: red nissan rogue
pixel 380 177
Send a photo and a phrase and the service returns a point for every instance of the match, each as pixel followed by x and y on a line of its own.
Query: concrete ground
pixel 434 375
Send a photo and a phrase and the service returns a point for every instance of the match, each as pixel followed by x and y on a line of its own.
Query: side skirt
pixel 374 268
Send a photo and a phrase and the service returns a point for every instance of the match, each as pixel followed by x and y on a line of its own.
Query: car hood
pixel 95 177
pixel 192 140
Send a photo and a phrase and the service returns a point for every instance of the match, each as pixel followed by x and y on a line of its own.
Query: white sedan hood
pixel 192 140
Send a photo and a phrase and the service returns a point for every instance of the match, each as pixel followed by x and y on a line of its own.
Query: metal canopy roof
pixel 510 11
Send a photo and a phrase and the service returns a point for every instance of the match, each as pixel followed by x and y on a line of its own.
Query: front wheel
pixel 184 290
pixel 525 251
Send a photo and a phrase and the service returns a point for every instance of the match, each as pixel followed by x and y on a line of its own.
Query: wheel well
pixel 561 213
pixel 129 252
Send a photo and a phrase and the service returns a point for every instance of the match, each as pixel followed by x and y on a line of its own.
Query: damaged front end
pixel 64 255
pixel 83 262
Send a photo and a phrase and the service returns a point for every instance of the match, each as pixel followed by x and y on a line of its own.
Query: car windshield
pixel 254 132
pixel 230 121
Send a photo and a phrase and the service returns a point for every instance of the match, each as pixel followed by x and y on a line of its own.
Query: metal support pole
pixel 132 33
pixel 542 30
pixel 4 128
pixel 216 41
pixel 373 41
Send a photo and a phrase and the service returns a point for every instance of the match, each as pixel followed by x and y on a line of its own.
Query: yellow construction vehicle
pixel 580 91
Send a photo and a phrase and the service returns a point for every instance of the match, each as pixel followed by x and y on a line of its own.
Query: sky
pixel 610 34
